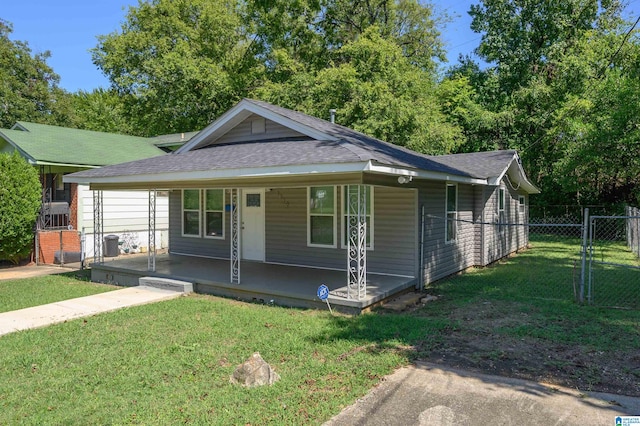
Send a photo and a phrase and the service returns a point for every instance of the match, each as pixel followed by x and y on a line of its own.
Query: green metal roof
pixel 44 144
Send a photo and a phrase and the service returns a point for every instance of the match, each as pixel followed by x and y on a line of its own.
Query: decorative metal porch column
pixel 356 241
pixel 235 236
pixel 151 250
pixel 98 227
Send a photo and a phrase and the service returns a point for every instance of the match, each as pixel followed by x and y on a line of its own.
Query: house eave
pixel 52 163
pixel 515 171
pixel 212 175
pixel 423 174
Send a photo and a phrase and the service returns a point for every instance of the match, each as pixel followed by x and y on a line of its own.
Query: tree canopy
pixel 28 86
pixel 560 81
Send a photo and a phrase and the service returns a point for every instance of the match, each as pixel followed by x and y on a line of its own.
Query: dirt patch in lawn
pixel 479 341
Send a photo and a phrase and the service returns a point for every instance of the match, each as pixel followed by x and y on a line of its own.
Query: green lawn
pixel 24 293
pixel 170 362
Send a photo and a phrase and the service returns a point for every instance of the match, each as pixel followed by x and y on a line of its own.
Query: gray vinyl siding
pixel 394 232
pixel 196 246
pixel 442 258
pixel 395 240
pixel 503 238
pixel 242 132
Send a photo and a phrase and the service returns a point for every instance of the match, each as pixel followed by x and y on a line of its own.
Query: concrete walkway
pixel 52 313
pixel 429 394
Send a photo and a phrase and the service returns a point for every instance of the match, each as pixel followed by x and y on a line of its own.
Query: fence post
pixel 61 250
pixel 585 237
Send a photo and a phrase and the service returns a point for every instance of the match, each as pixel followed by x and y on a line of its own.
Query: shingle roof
pixel 61 145
pixel 477 164
pixel 341 145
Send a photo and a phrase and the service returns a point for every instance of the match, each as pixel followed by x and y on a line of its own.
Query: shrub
pixel 20 193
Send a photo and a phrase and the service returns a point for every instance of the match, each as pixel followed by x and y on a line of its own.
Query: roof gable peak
pixel 248 107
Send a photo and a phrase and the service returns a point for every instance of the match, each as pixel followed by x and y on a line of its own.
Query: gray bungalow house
pixel 268 203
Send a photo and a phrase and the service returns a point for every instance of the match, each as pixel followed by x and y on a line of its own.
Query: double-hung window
pixel 452 212
pixel 321 209
pixel 369 215
pixel 521 204
pixel 191 212
pixel 203 209
pixel 501 215
pixel 214 213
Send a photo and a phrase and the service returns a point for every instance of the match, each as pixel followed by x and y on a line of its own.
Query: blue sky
pixel 68 29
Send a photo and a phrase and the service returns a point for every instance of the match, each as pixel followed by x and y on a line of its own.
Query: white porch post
pixel 98 227
pixel 235 236
pixel 356 241
pixel 151 250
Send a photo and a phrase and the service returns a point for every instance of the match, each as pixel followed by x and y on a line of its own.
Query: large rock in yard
pixel 254 372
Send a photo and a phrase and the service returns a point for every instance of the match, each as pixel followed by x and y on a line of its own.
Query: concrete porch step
pixel 166 284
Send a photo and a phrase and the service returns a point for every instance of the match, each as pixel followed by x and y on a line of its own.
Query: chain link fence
pixel 554 257
pixel 589 259
pixel 613 262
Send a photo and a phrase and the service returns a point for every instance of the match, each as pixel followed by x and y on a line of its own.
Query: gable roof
pixel 43 144
pixel 321 147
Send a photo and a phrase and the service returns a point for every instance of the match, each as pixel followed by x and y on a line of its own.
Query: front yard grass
pixel 170 362
pixel 27 292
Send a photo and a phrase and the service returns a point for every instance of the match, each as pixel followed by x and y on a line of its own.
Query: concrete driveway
pixel 429 394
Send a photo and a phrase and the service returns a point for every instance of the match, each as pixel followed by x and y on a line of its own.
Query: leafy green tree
pixel 376 90
pixel 28 86
pixel 20 193
pixel 177 64
pixel 101 110
pixel 519 36
pixel 547 63
pixel 410 24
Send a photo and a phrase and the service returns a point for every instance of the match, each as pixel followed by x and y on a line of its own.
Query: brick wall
pixel 49 244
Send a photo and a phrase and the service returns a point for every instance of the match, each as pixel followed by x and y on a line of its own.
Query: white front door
pixel 252 224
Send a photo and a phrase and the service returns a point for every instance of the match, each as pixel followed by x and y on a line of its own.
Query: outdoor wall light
pixel 404 179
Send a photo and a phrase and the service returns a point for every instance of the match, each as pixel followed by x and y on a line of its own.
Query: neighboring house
pixel 264 185
pixel 56 151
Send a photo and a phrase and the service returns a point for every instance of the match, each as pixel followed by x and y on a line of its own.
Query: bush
pixel 20 193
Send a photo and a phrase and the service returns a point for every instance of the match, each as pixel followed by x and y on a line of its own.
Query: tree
pixel 519 36
pixel 20 192
pixel 177 64
pixel 549 60
pixel 101 110
pixel 376 90
pixel 28 86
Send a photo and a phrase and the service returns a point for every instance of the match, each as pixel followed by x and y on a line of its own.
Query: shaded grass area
pixel 170 363
pixel 519 318
pixel 27 292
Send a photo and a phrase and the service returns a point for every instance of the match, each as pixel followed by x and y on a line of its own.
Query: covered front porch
pixel 268 283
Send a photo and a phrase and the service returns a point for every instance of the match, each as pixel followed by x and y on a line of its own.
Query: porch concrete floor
pixel 264 282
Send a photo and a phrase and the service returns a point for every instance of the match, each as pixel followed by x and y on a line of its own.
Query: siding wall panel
pixel 242 132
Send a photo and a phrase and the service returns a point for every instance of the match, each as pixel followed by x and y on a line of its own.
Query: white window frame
pixel 447 212
pixel 522 204
pixel 205 211
pixel 501 209
pixel 333 215
pixel 370 215
pixel 182 211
